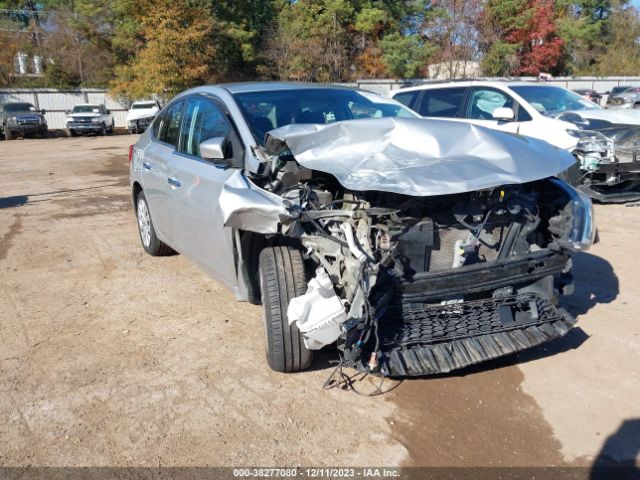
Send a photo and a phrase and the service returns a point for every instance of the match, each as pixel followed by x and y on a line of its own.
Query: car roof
pixel 244 87
pixel 470 83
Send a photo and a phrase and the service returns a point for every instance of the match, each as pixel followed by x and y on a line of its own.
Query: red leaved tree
pixel 541 47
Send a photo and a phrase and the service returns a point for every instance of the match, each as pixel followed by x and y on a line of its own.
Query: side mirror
pixel 214 150
pixel 43 111
pixel 108 112
pixel 503 113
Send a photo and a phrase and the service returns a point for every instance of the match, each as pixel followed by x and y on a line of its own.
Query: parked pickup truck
pixel 22 119
pixel 90 118
pixel 141 114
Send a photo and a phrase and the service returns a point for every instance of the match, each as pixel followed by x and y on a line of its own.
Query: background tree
pixel 582 25
pixel 451 26
pixel 621 52
pixel 176 54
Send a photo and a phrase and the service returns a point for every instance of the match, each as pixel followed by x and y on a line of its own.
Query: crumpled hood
pixel 419 157
pixel 625 117
pixel 141 113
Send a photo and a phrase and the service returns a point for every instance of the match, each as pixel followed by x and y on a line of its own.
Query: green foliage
pixel 145 47
pixel 582 25
pixel 621 54
pixel 501 59
pixel 405 55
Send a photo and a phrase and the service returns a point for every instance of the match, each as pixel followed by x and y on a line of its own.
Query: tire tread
pixel 283 277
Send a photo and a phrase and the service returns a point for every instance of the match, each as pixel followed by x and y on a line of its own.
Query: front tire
pixel 282 277
pixel 8 134
pixel 150 241
pixel 103 130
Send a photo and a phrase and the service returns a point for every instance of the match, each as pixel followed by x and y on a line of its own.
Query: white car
pixel 90 118
pixel 604 141
pixel 141 114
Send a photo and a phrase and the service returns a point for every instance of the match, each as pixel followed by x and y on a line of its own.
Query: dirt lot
pixel 111 357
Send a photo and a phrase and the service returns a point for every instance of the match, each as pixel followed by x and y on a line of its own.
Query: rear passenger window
pixel 170 125
pixel 441 102
pixel 406 98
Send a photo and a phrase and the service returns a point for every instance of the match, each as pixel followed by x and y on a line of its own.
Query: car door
pixel 195 186
pixel 483 101
pixel 164 140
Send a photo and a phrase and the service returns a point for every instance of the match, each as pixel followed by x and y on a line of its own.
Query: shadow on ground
pixel 617 458
pixel 596 283
pixel 10 202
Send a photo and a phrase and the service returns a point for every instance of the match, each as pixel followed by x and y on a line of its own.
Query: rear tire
pixel 150 241
pixel 282 277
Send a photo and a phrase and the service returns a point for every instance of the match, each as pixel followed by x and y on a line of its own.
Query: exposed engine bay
pixel 412 285
pixel 391 270
pixel 608 159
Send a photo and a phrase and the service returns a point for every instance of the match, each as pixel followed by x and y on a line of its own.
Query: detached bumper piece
pixel 416 340
pixel 629 192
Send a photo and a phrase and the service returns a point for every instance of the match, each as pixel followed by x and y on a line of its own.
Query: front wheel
pixel 282 277
pixel 150 241
pixel 8 134
pixel 103 130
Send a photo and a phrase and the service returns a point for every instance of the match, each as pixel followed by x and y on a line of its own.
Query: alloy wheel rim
pixel 144 222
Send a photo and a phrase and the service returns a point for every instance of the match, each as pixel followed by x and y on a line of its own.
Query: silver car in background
pixel 418 246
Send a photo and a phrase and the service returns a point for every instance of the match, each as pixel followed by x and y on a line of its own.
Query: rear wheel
pixel 150 241
pixel 282 277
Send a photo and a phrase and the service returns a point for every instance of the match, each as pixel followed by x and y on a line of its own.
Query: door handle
pixel 146 165
pixel 174 182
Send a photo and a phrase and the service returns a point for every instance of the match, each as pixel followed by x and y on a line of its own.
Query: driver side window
pixel 484 102
pixel 203 120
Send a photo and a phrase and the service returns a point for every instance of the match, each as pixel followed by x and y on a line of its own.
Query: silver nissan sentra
pixel 418 246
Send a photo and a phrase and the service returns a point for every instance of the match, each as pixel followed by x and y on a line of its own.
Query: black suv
pixel 22 119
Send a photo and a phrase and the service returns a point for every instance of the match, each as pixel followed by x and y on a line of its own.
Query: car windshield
pixel 549 100
pixel 19 107
pixel 616 90
pixel 140 106
pixel 86 109
pixel 271 109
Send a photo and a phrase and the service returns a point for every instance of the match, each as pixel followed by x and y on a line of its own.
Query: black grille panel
pixel 418 339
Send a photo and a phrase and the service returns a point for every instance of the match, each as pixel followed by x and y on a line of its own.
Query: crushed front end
pixel 429 285
pixel 609 160
pixel 409 282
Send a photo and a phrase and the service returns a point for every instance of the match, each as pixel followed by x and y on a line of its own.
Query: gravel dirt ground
pixel 109 357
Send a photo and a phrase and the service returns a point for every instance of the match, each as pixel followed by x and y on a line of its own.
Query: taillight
pixel 130 154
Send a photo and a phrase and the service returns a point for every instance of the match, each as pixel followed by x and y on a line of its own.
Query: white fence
pixel 57 102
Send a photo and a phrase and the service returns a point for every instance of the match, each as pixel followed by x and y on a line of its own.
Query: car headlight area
pixel 583 230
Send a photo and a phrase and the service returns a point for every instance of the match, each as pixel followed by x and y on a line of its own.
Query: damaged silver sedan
pixel 417 246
